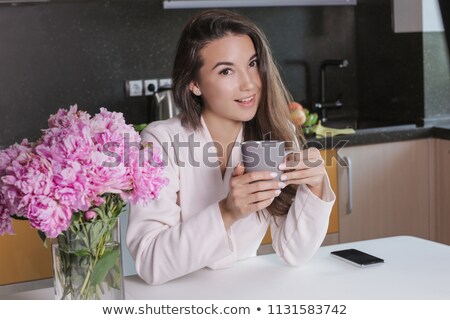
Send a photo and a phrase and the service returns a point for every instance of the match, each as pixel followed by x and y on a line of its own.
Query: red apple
pixel 295 105
pixel 298 115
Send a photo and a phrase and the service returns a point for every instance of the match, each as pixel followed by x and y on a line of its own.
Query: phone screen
pixel 357 257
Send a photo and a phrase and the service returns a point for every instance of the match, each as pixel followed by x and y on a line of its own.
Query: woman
pixel 212 214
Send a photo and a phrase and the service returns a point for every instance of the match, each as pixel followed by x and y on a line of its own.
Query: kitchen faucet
pixel 323 104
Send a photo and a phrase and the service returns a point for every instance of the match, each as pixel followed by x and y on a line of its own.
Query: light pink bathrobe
pixel 183 230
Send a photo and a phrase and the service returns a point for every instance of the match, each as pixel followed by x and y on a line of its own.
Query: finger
pixel 258 176
pixel 310 181
pixel 313 177
pixel 265 185
pixel 302 162
pixel 238 170
pixel 260 205
pixel 263 196
pixel 301 174
pixel 295 156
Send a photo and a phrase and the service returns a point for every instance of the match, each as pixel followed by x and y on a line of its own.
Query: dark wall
pixel 60 53
pixel 402 77
pixel 390 66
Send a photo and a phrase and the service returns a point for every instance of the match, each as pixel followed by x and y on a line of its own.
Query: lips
pixel 247 101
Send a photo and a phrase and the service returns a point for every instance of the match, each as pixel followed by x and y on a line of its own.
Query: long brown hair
pixel 272 120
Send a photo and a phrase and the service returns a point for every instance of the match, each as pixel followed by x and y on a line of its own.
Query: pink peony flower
pixel 5 218
pixel 71 186
pixel 67 118
pixel 49 216
pixel 89 215
pixel 77 160
pixel 17 152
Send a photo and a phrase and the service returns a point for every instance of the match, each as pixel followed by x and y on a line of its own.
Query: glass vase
pixel 87 262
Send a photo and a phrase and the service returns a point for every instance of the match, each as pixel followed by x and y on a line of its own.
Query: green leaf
pixel 42 236
pixel 98 235
pixel 75 225
pixel 104 265
pixel 16 217
pixel 119 208
pixel 99 212
pixel 82 253
pixel 311 120
pixel 139 127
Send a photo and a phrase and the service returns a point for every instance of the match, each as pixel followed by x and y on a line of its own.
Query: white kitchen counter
pixel 414 269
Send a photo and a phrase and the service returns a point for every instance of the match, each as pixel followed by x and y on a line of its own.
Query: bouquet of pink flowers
pixel 77 160
pixel 81 170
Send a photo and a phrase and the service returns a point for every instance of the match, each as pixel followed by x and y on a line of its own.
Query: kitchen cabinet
pixel 23 256
pixel 442 191
pixel 329 155
pixel 388 190
pixel 416 16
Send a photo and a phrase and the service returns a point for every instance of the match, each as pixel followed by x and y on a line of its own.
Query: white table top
pixel 414 269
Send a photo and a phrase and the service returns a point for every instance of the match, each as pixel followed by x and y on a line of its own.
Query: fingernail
pixel 282 166
pixel 277 192
pixel 283 177
pixel 273 174
pixel 281 185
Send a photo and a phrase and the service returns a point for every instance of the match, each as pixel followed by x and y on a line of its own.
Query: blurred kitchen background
pixel 60 53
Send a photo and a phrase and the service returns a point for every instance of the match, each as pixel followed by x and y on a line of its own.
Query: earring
pixel 197 92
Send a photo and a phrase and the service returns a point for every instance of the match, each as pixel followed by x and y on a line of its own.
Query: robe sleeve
pixel 164 246
pixel 297 236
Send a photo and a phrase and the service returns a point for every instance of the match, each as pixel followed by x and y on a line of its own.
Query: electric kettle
pixel 163 106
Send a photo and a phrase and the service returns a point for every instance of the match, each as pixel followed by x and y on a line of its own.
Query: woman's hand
pixel 248 193
pixel 305 167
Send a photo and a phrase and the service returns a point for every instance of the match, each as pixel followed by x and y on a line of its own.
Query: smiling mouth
pixel 246 100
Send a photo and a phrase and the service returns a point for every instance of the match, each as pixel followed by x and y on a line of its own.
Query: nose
pixel 248 80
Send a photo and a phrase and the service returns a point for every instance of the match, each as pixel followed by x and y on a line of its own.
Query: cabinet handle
pixel 348 164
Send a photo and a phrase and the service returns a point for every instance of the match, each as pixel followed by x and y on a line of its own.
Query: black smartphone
pixel 356 257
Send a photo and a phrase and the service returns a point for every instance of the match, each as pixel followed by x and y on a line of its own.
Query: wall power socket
pixel 134 88
pixel 150 87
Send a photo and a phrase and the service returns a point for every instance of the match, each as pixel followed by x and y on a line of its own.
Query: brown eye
pixel 253 63
pixel 225 72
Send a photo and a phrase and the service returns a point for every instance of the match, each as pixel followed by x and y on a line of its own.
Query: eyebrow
pixel 226 63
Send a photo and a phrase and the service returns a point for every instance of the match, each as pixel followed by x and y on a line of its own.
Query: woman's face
pixel 229 79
